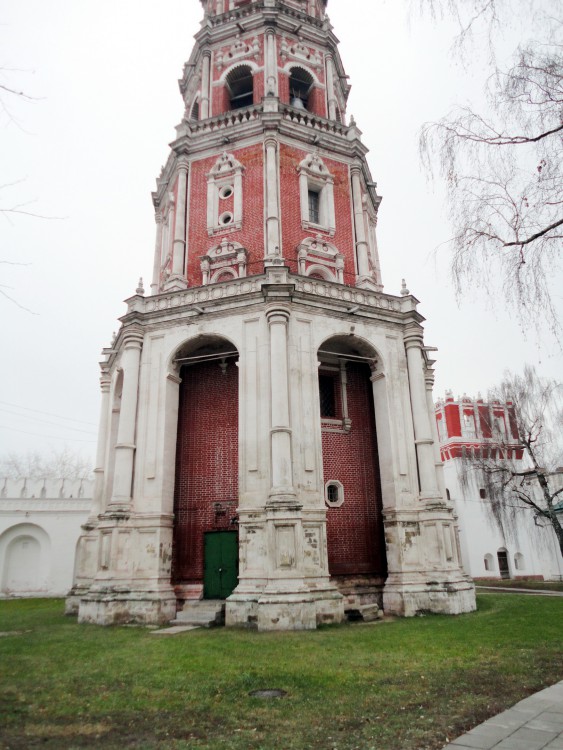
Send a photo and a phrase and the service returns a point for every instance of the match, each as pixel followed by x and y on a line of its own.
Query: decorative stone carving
pixel 225 260
pixel 237 50
pixel 299 51
pixel 314 176
pixel 224 195
pixel 320 259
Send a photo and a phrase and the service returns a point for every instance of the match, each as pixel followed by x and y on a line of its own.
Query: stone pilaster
pixel 331 98
pixel 125 448
pixel 273 241
pixel 157 264
pixel 205 85
pixel 177 279
pixel 362 245
pixel 423 435
pixel 271 63
pixel 281 471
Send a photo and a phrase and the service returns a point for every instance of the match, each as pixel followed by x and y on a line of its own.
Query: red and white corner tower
pixel 267 432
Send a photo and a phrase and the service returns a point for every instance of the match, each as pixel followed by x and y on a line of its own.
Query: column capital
pixel 105 382
pixel 413 338
pixel 278 314
pixel 270 141
pixel 183 164
pixel 133 339
pixel 158 217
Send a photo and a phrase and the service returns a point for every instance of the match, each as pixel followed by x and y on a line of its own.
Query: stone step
pixel 203 612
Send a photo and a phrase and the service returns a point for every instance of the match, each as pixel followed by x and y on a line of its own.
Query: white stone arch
pixel 335 355
pixel 238 64
pixel 322 271
pixel 220 351
pixel 25 559
pixel 385 424
pixel 318 255
pixel 172 380
pixel 223 272
pixel 287 68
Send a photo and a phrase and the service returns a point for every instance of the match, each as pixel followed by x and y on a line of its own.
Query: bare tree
pixel 59 464
pixel 503 169
pixel 521 469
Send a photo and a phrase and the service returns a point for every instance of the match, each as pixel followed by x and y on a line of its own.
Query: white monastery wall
pixel 532 551
pixel 40 523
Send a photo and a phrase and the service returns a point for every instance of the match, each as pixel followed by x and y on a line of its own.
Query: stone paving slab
pixel 507 590
pixel 175 630
pixel 536 723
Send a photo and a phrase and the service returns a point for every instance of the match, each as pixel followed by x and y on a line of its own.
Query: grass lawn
pixel 396 685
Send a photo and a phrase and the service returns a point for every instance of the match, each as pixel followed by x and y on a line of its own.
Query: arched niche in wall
pixel 207 461
pixel 301 84
pixel 239 86
pixel 25 559
pixel 351 464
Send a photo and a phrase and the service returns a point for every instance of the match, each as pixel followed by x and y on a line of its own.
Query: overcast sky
pixel 86 151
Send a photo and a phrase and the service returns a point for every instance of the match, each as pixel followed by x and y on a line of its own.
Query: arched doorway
pixel 503 565
pixel 22 565
pixel 205 550
pixel 355 533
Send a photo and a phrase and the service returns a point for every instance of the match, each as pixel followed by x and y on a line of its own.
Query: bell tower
pixel 267 433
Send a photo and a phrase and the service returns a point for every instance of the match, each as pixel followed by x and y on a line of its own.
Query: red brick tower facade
pixel 267 431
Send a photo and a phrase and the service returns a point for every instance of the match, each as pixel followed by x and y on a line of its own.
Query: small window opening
pixel 332 493
pixel 194 114
pixel 448 494
pixel 240 86
pixel 226 218
pixel 482 493
pixel 300 87
pixel 226 191
pixel 327 394
pixel 314 207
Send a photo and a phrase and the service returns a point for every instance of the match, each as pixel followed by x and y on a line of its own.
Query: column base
pixel 120 606
pixel 447 597
pixel 284 611
pixel 175 284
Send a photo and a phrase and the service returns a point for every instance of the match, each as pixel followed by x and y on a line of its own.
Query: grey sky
pixel 89 148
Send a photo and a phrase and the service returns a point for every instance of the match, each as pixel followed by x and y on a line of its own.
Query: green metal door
pixel 220 575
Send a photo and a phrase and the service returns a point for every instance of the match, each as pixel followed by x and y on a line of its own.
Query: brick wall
pixel 355 530
pixel 206 463
pixel 292 233
pixel 251 235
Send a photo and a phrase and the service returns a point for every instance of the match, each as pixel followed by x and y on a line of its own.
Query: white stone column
pixel 280 431
pixel 429 379
pixel 157 265
pixel 422 430
pixel 101 448
pixel 125 447
pixel 273 241
pixel 204 108
pixel 330 94
pixel 179 251
pixel 362 247
pixel 271 63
